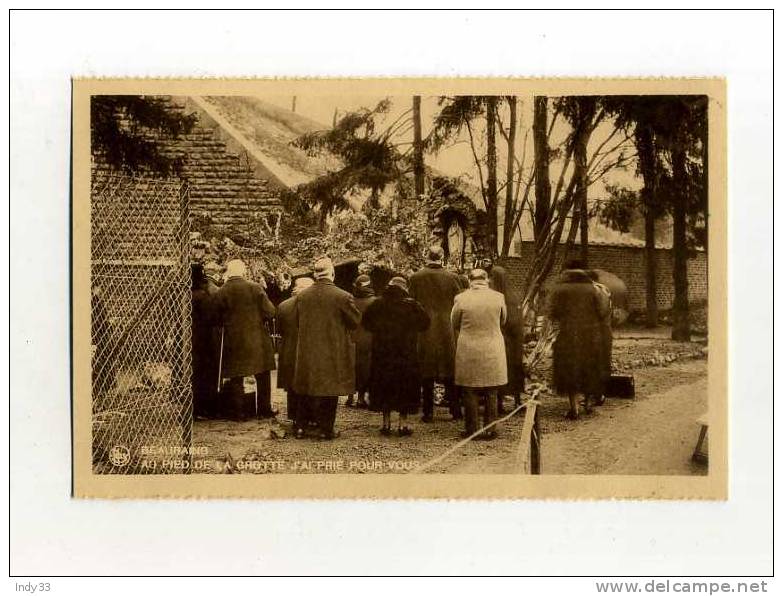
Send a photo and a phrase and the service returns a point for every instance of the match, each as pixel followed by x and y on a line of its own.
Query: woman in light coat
pixel 480 363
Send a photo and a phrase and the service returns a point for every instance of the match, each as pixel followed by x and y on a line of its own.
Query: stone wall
pixel 628 263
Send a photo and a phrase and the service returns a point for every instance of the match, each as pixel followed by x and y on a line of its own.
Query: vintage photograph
pixel 496 283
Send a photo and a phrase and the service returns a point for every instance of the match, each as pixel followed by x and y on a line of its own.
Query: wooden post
pixel 529 449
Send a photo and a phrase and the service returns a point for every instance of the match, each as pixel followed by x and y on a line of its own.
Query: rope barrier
pixel 463 442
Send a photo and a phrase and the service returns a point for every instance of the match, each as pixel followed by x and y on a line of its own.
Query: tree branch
pixel 388 132
pixel 478 163
pixel 622 159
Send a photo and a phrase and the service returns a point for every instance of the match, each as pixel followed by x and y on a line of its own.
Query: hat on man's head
pixel 363 281
pixel 434 254
pixel 301 283
pixel 323 268
pixel 235 268
pixel 478 274
pixel 399 282
pixel 478 279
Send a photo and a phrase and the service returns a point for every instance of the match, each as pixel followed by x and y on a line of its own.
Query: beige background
pixel 712 486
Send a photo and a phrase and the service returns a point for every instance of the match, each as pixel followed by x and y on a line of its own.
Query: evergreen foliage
pixel 125 130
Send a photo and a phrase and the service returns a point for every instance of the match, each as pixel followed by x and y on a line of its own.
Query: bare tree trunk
pixel 543 184
pixel 547 252
pixel 681 329
pixel 373 201
pixel 418 153
pixel 492 181
pixel 508 219
pixel 575 225
pixel 580 164
pixel 648 165
pixel 583 129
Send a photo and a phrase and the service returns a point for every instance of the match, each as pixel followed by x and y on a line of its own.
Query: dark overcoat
pixel 605 312
pixel 395 320
pixel 241 307
pixel 513 331
pixel 205 342
pixel 286 354
pixel 325 350
pixel 434 288
pixel 577 365
pixel 363 340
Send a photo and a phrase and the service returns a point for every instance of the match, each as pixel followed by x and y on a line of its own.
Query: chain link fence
pixel 141 326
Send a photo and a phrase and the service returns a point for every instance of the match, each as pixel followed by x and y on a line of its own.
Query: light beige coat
pixel 476 318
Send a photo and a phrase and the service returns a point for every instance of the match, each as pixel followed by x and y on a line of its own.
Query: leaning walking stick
pixel 220 360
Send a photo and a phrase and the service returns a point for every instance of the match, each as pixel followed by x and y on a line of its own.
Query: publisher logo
pixel 119 456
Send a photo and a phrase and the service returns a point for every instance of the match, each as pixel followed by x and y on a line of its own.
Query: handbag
pixel 620 386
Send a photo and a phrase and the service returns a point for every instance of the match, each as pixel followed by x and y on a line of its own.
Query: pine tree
pixel 126 132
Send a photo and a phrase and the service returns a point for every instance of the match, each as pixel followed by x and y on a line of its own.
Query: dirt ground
pixel 655 433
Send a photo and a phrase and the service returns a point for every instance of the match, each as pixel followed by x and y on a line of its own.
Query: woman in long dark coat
pixel 513 336
pixel 395 320
pixel 577 351
pixel 605 306
pixel 364 296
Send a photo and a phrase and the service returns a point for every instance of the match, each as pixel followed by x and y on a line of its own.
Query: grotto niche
pixel 456 222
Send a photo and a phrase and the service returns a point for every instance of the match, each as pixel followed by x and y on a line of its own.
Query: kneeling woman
pixel 395 320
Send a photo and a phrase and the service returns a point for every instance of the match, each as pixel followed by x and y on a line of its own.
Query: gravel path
pixel 652 434
pixel 255 446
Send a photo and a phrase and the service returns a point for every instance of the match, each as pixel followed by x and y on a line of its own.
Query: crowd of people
pixel 388 352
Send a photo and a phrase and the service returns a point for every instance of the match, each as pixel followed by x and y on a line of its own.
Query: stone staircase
pixel 225 187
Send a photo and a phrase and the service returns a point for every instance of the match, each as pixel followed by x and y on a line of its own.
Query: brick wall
pixel 628 263
pixel 223 183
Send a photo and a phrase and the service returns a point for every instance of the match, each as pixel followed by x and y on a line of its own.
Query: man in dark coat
pixel 286 357
pixel 205 341
pixel 434 288
pixel 577 353
pixel 213 273
pixel 395 320
pixel 325 350
pixel 513 336
pixel 241 307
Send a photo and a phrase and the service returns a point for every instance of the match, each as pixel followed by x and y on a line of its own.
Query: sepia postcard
pixel 399 288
